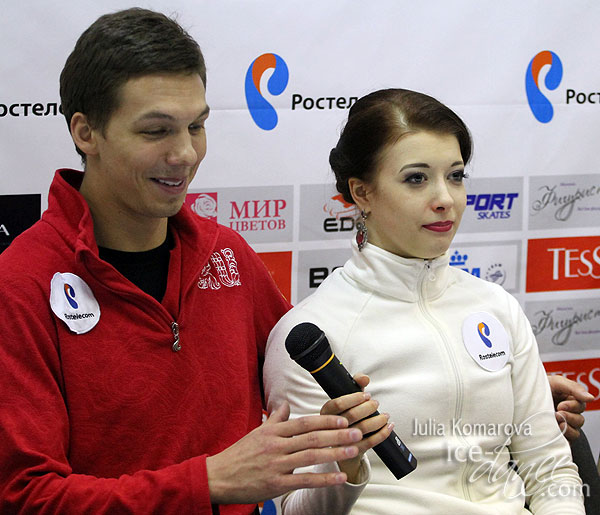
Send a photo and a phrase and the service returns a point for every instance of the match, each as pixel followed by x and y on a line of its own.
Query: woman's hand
pixel 355 407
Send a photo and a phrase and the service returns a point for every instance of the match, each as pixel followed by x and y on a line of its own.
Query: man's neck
pixel 127 235
pixel 117 230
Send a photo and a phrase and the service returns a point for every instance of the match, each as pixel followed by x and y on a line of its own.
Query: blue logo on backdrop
pixel 460 260
pixel 262 112
pixel 490 206
pixel 540 106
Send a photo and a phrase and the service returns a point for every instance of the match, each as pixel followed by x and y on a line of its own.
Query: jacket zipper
pixel 430 275
pixel 176 345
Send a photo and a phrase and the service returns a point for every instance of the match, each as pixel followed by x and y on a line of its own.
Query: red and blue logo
pixel 484 331
pixel 540 106
pixel 262 112
pixel 70 294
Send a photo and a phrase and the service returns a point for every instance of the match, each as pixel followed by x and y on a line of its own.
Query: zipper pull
pixel 176 345
pixel 430 272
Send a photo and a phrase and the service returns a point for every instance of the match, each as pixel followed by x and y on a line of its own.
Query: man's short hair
pixel 118 47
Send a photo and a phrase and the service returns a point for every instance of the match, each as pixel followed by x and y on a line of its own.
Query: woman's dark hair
pixel 118 47
pixel 380 119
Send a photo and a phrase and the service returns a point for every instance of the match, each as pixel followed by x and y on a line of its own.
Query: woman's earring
pixel 361 235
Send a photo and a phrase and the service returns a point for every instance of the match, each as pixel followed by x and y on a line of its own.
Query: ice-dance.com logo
pixel 540 106
pixel 263 113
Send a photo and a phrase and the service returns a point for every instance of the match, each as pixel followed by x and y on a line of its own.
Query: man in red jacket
pixel 133 331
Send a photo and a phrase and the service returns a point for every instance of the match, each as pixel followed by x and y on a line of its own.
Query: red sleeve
pixel 35 475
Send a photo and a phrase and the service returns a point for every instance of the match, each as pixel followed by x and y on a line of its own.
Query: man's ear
pixel 83 135
pixel 360 193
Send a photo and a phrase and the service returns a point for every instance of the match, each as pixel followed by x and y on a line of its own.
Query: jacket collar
pixel 70 215
pixel 402 278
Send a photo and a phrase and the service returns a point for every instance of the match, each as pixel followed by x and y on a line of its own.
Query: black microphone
pixel 307 345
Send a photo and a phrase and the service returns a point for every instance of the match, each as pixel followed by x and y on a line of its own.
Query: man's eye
pixel 196 127
pixel 155 132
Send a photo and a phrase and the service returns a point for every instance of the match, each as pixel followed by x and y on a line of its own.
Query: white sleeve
pixel 542 454
pixel 337 499
pixel 285 380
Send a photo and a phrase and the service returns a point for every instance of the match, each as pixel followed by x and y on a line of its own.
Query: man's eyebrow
pixel 154 115
pixel 151 115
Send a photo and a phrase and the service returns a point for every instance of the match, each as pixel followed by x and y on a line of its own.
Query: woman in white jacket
pixel 451 357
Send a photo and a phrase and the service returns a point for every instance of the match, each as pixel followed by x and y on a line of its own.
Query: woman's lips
pixel 440 226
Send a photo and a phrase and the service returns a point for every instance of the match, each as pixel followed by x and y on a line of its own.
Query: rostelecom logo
pixel 263 113
pixel 484 332
pixel 540 106
pixel 70 294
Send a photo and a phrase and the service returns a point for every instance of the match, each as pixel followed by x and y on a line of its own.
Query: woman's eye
pixel 458 176
pixel 415 178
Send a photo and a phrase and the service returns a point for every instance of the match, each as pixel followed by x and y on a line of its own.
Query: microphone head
pixel 307 344
pixel 301 337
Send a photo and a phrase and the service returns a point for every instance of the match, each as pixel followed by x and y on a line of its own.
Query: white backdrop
pixel 533 220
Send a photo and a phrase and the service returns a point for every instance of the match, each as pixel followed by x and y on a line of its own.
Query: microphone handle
pixel 337 381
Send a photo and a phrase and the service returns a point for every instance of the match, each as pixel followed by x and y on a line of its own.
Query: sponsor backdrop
pixel 281 77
